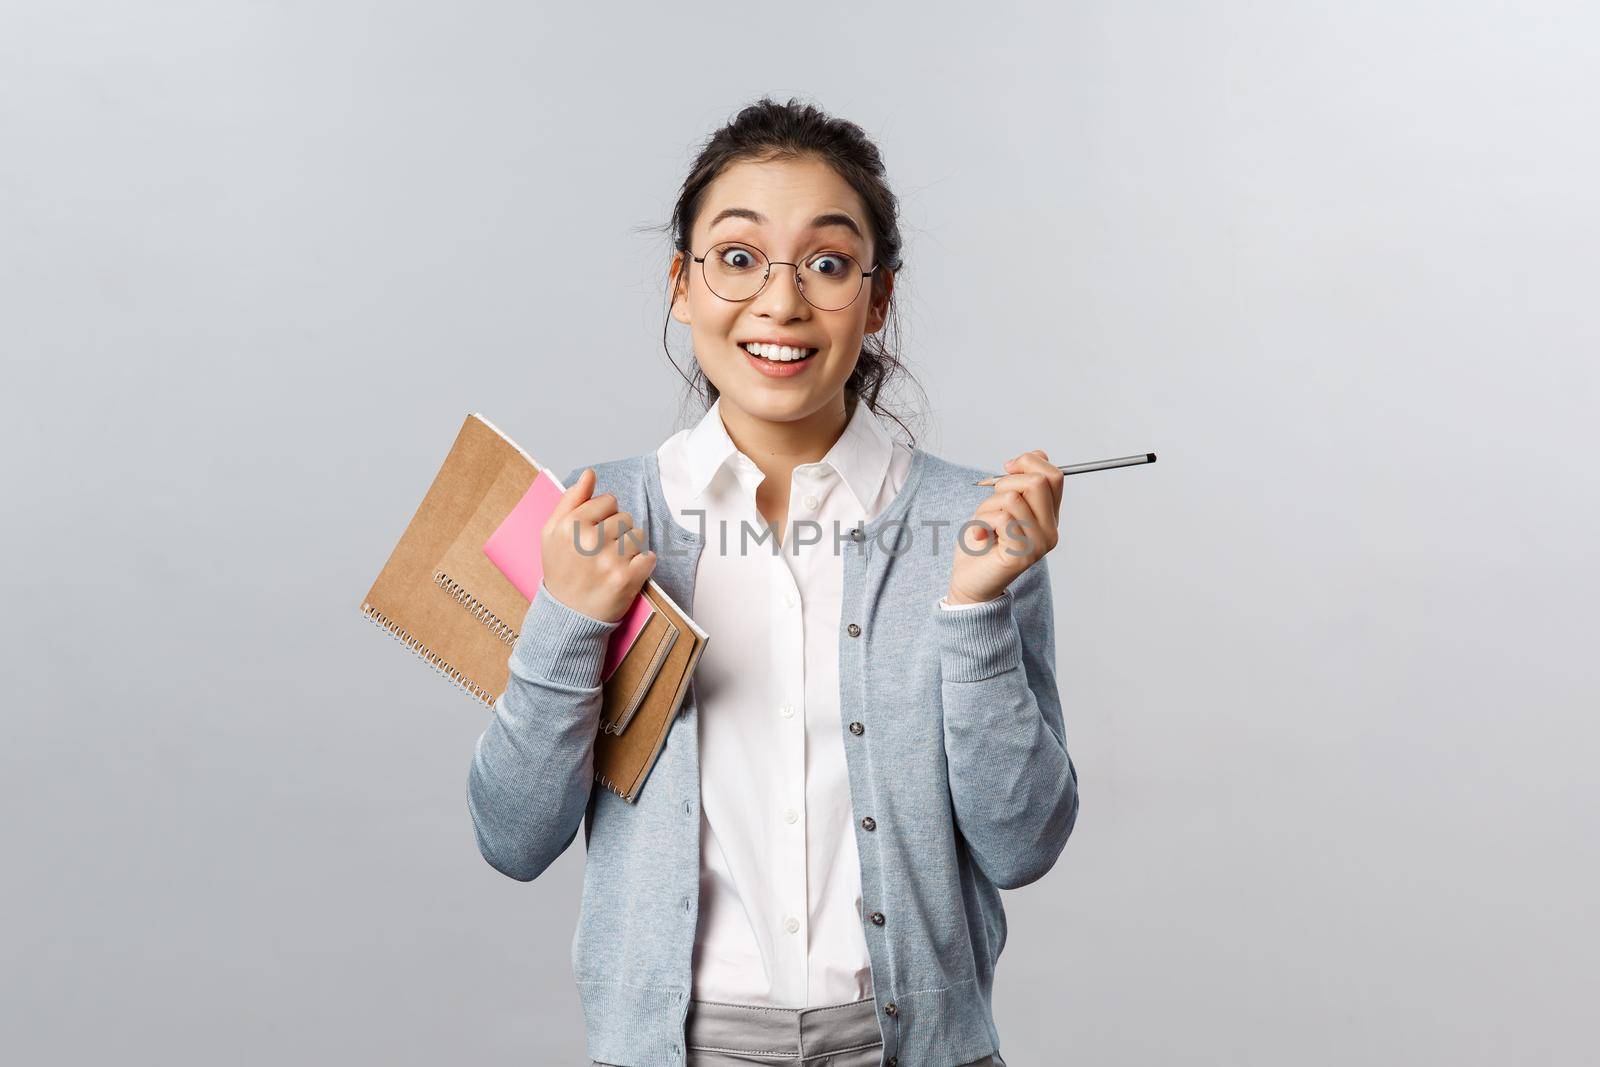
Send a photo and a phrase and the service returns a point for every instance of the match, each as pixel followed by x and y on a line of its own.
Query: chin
pixel 774 405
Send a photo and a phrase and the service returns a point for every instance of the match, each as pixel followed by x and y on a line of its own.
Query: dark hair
pixel 766 131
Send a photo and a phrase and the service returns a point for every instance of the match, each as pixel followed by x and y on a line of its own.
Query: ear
pixel 878 308
pixel 677 280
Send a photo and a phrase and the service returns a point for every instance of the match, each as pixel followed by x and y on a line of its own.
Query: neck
pixel 779 447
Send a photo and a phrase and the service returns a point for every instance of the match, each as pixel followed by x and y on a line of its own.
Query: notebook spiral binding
pixel 475 606
pixel 609 784
pixel 427 655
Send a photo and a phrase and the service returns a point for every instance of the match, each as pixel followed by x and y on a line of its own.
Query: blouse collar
pixel 860 456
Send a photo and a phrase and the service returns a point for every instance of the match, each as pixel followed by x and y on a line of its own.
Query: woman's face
pixel 788 196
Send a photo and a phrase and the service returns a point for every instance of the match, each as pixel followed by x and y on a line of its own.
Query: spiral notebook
pixel 443 597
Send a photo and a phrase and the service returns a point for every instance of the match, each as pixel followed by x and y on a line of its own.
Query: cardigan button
pixel 856 728
pixel 858 534
pixel 877 920
pixel 868 823
pixel 890 1009
pixel 853 630
pixel 894 1061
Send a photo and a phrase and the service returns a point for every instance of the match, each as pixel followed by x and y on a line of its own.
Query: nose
pixel 782 299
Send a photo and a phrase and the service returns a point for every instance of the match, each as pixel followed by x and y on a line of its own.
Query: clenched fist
pixel 594 557
pixel 1020 527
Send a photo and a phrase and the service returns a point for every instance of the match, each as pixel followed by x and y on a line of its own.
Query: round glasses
pixel 735 271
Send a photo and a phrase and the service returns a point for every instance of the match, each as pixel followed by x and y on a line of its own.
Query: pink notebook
pixel 514 548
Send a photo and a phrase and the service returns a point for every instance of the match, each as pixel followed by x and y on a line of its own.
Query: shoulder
pixel 622 471
pixel 622 468
pixel 944 488
pixel 623 477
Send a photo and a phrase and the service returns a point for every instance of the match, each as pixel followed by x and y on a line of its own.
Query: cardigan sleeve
pixel 1012 783
pixel 533 767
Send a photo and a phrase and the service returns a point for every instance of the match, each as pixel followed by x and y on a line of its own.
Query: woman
pixel 872 746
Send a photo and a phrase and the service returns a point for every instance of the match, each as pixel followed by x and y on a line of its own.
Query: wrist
pixel 979 640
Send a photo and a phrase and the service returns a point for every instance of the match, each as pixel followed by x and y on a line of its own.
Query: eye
pixel 736 257
pixel 830 264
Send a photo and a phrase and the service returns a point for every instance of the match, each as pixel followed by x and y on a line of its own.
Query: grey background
pixel 1327 666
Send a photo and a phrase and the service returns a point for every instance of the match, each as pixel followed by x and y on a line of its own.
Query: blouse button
pixel 853 630
pixel 791 924
pixel 810 502
pixel 856 728
pixel 790 815
pixel 868 823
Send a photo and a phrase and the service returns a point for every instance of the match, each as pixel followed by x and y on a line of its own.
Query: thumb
pixel 576 493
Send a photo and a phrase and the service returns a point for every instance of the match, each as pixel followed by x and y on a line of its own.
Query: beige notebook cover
pixel 445 600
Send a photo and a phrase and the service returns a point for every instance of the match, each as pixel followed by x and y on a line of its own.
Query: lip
pixel 792 343
pixel 780 370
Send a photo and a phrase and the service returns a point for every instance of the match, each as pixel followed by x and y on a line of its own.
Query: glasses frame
pixel 767 275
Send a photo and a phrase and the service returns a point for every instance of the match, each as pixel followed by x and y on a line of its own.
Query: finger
pixel 1053 476
pixel 998 513
pixel 992 510
pixel 596 508
pixel 615 528
pixel 576 493
pixel 978 530
pixel 642 564
pixel 1041 500
pixel 1038 462
pixel 1020 537
pixel 631 542
pixel 1020 531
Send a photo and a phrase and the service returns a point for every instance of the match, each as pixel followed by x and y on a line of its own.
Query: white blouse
pixel 780 920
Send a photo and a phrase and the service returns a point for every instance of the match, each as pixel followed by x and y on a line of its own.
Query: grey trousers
pixel 744 1035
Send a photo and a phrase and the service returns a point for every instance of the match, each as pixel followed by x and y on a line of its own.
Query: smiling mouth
pixel 778 353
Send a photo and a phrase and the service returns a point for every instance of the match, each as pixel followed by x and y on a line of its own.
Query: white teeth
pixel 780 353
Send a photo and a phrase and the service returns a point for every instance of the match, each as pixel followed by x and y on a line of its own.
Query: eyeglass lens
pixel 829 280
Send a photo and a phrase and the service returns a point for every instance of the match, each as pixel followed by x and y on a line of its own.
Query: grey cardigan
pixel 955 746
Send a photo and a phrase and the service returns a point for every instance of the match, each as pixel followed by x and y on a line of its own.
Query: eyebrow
pixel 831 218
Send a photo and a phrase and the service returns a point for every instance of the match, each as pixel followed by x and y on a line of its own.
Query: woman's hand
pixel 601 584
pixel 1020 527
